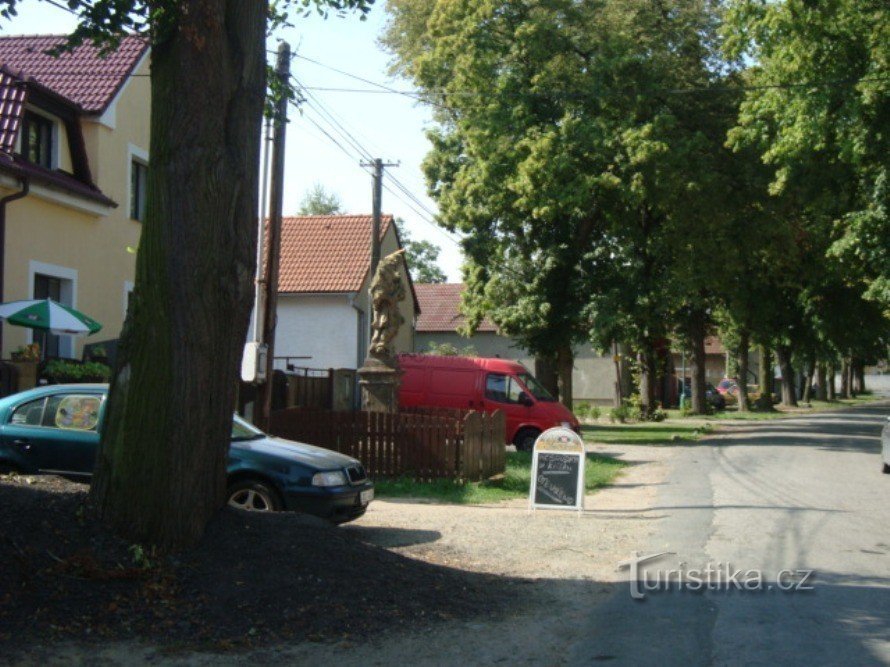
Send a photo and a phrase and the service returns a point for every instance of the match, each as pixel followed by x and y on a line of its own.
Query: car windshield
pixel 241 430
pixel 536 388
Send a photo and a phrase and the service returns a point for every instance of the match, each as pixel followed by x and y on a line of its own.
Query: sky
pixel 365 125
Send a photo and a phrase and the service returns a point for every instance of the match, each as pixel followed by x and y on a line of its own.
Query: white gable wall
pixel 323 327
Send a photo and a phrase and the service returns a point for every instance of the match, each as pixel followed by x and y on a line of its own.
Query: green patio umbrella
pixel 48 315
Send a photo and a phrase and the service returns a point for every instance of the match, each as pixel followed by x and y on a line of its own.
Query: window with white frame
pixel 59 283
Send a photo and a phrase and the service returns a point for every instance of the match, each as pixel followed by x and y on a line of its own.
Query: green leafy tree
pixel 818 109
pixel 562 154
pixel 318 201
pixel 160 472
pixel 422 257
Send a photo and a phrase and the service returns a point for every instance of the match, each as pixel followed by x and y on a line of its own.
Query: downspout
pixel 26 187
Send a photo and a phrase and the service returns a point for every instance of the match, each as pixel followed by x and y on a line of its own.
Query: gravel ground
pixel 569 562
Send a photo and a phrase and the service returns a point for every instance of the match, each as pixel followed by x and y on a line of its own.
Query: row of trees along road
pixel 649 171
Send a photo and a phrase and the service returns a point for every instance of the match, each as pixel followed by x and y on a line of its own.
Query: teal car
pixel 55 430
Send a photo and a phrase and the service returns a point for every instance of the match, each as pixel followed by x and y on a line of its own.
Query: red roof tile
pixel 12 102
pixel 326 253
pixel 440 308
pixel 82 76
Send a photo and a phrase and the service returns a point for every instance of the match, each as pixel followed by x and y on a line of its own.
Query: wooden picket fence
pixel 422 446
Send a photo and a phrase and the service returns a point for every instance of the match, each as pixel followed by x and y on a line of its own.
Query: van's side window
pixel 501 388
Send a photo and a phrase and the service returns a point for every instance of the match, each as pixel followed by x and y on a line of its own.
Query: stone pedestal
pixel 379 380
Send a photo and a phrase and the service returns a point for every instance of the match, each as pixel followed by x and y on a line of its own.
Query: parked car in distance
pixel 714 398
pixel 55 430
pixel 479 383
pixel 728 386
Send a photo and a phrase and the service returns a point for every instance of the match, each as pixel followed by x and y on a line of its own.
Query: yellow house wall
pixel 95 246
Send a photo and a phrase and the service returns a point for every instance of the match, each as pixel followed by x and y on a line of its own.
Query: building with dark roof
pixel 324 276
pixel 74 140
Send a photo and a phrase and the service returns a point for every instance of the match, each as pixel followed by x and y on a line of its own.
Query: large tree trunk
pixel 765 362
pixel 789 394
pixel 832 379
pixel 618 391
pixel 742 364
pixel 821 382
pixel 648 372
pixel 545 372
pixel 697 344
pixel 161 469
pixel 858 369
pixel 565 364
pixel 809 373
pixel 846 389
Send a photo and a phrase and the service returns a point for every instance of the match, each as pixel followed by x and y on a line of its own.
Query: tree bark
pixel 161 468
pixel 697 343
pixel 831 385
pixel 858 376
pixel 546 374
pixel 766 375
pixel 742 364
pixel 565 362
pixel 648 371
pixel 846 389
pixel 821 382
pixel 618 391
pixel 789 394
pixel 808 380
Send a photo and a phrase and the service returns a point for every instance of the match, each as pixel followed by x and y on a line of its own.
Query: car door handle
pixel 24 444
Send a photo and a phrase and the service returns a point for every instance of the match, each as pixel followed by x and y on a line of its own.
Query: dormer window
pixel 37 139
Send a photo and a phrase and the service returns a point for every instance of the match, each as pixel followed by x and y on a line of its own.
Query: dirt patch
pixel 254 580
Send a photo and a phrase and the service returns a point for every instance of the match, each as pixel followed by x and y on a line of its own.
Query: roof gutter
pixel 26 187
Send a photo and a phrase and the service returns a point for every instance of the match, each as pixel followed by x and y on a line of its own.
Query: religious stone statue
pixel 387 290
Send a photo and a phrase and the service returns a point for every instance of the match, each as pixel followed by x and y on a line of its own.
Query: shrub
pixel 620 414
pixel 595 412
pixel 62 371
pixel 582 410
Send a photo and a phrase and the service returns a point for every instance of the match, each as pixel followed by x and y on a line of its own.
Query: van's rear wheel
pixel 525 439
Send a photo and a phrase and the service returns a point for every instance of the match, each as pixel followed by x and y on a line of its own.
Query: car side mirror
pixel 525 399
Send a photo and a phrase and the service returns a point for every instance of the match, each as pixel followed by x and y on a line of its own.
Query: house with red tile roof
pixel 323 304
pixel 74 139
pixel 440 319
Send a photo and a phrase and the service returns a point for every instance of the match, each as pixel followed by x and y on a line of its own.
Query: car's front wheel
pixel 254 496
pixel 525 439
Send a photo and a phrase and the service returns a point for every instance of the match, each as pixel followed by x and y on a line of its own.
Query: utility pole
pixel 376 197
pixel 276 196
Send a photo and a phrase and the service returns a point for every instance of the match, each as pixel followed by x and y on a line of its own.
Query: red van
pixel 477 383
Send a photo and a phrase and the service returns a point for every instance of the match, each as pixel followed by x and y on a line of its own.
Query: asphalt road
pixel 802 494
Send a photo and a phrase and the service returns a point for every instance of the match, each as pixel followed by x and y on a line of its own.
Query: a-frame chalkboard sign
pixel 558 471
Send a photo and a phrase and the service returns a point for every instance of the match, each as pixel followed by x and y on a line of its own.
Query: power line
pixel 402 194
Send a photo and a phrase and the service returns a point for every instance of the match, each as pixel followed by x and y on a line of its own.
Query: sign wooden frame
pixel 563 442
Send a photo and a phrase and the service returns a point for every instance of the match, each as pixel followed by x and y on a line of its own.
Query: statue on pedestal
pixel 380 376
pixel 387 290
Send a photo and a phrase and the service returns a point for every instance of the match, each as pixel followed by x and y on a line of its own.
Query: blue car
pixel 55 430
